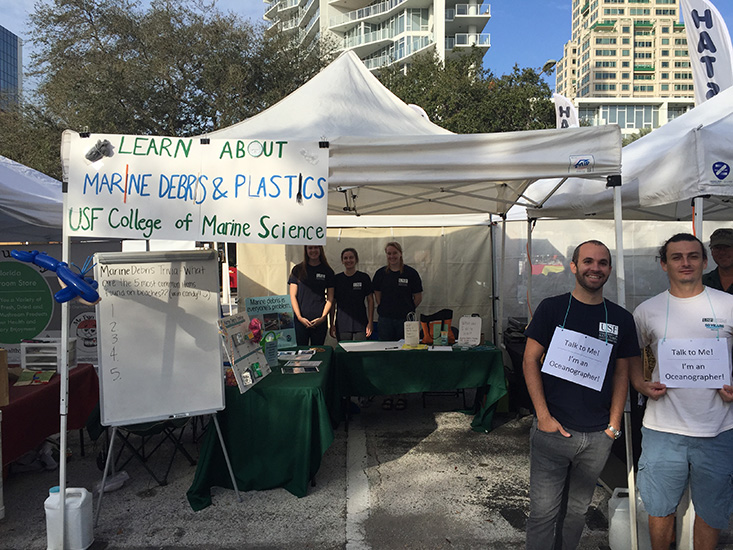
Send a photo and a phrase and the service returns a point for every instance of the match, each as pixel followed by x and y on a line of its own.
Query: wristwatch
pixel 616 433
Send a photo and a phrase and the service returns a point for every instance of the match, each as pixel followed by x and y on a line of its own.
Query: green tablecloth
pixel 408 371
pixel 276 434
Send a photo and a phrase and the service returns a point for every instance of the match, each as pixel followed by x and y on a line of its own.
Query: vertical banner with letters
pixel 711 53
pixel 193 189
pixel 566 115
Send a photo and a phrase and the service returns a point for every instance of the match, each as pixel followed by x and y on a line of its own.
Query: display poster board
pixel 193 189
pixel 159 347
pixel 28 310
pixel 276 315
pixel 246 357
pixel 469 331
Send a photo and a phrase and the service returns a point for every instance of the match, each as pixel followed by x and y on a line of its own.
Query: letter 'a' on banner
pixel 566 115
pixel 711 53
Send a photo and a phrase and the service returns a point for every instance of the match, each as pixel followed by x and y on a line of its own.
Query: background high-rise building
pixel 627 63
pixel 383 32
pixel 11 67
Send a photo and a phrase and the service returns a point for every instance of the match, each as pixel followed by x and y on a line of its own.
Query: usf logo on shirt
pixel 402 281
pixel 609 332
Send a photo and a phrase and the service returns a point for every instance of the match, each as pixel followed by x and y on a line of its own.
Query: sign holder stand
pixel 109 464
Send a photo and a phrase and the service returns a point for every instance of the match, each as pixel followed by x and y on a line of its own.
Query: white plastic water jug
pixel 619 526
pixel 79 527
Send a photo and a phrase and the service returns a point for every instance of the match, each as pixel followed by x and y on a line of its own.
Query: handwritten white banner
pixel 577 358
pixel 694 363
pixel 151 187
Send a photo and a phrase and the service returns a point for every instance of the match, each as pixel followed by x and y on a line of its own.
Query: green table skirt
pixel 276 434
pixel 410 371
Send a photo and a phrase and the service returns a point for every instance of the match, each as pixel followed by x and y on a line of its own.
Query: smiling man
pixel 687 433
pixel 578 393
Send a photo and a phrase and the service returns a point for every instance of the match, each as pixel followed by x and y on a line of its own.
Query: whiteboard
pixel 159 347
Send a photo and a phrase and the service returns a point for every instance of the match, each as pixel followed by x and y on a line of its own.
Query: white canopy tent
pixel 662 173
pixel 385 158
pixel 30 204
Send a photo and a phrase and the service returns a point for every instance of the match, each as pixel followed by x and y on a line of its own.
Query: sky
pixel 525 32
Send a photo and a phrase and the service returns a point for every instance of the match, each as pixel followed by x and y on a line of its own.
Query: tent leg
pixel 529 270
pixel 697 219
pixel 496 299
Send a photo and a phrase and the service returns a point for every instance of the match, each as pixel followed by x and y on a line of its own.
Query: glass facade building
pixel 11 66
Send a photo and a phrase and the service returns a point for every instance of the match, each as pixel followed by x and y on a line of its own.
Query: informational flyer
pixel 694 362
pixel 577 358
pixel 245 355
pixel 276 315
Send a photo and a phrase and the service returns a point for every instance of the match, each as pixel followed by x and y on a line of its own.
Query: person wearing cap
pixel 721 248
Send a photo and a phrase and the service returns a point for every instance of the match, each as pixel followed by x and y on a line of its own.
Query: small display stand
pixel 45 354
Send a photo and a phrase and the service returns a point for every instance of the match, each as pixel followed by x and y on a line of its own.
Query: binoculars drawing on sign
pixel 73 285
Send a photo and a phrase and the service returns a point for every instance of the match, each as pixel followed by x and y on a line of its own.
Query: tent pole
pixel 697 219
pixel 64 371
pixel 529 271
pixel 615 182
pixel 499 321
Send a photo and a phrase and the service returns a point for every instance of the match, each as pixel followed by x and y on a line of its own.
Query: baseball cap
pixel 721 237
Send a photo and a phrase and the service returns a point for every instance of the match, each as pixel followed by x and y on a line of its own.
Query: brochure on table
pixel 245 354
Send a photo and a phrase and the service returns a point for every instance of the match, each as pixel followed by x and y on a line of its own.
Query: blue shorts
pixel 669 460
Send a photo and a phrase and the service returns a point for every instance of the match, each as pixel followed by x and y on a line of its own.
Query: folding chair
pixel 164 430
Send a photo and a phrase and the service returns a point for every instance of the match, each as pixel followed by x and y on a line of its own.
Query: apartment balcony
pixel 365 44
pixel 271 11
pixel 289 24
pixel 644 24
pixel 467 40
pixel 643 68
pixel 463 16
pixel 375 13
pixel 401 54
pixel 311 28
pixel 604 26
pixel 288 5
pixel 348 5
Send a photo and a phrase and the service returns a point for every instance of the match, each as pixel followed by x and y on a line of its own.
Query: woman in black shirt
pixel 353 321
pixel 311 286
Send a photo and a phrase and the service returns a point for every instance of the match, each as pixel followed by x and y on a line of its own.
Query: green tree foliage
pixel 31 138
pixel 631 138
pixel 178 68
pixel 175 68
pixel 462 97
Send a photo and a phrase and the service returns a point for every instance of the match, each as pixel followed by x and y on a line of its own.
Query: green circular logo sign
pixel 26 304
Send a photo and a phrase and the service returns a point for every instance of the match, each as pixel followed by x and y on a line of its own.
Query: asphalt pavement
pixel 412 479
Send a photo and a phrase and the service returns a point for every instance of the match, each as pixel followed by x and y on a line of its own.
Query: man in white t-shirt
pixel 687 434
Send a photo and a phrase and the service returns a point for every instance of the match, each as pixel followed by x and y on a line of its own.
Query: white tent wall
pixel 454 264
pixel 642 239
pixel 30 204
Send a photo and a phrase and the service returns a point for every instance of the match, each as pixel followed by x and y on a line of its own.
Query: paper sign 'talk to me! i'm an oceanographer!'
pixel 151 187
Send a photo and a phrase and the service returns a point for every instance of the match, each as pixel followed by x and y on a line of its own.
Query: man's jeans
pixel 555 461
